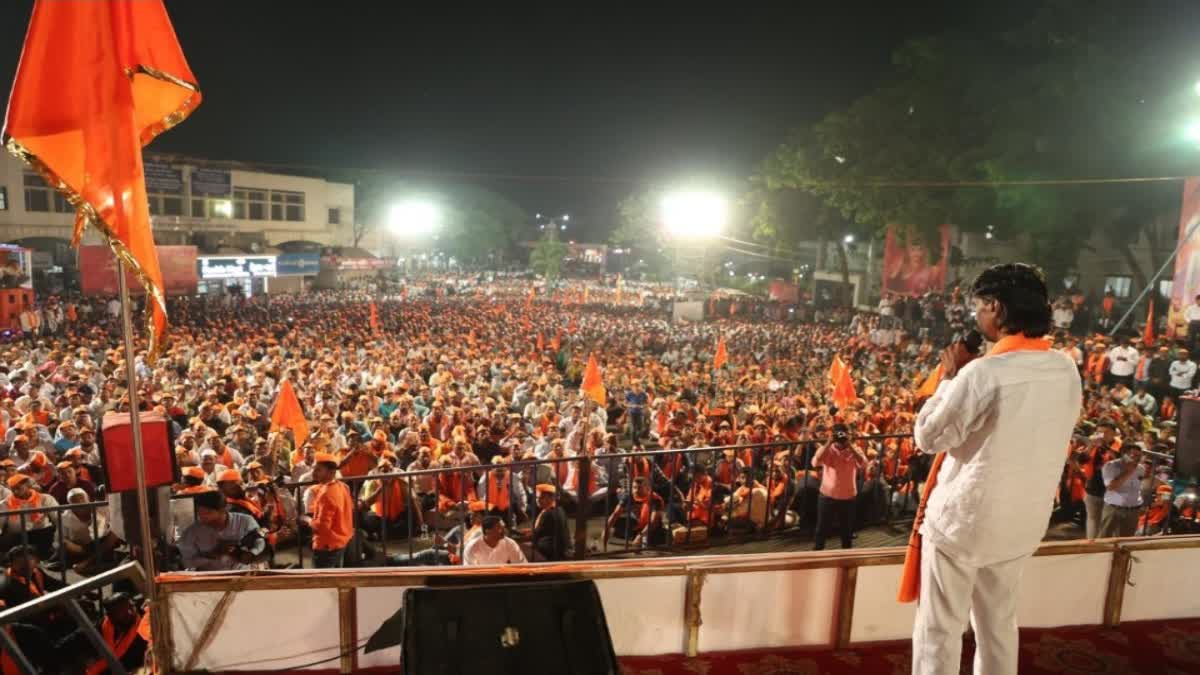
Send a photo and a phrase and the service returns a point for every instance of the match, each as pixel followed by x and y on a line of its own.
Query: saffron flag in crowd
pixel 843 392
pixel 374 317
pixel 592 385
pixel 529 299
pixel 1148 332
pixel 288 414
pixel 97 81
pixel 721 357
pixel 556 342
pixel 835 370
pixel 541 343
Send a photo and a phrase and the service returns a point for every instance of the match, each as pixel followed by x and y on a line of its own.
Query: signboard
pixel 1186 285
pixel 236 267
pixel 909 268
pixel 160 177
pixel 98 270
pixel 212 183
pixel 358 263
pixel 297 264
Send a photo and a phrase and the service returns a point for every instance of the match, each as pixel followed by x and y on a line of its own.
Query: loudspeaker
pixel 1187 442
pixel 507 629
pixel 116 451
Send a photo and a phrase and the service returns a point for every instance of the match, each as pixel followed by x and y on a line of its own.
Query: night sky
pixel 612 99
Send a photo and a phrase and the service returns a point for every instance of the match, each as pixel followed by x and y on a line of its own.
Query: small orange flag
pixel 721 357
pixel 471 338
pixel 289 414
pixel 541 343
pixel 843 393
pixel 556 342
pixel 96 82
pixel 592 385
pixel 529 298
pixel 572 326
pixel 835 370
pixel 374 317
pixel 1148 333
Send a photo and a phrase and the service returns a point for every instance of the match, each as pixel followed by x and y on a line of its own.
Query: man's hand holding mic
pixel 962 350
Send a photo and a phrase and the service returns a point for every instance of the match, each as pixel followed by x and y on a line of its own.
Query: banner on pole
pixel 909 268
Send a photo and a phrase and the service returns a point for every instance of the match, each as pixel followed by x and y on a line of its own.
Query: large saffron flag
pixel 592 385
pixel 288 414
pixel 722 356
pixel 374 317
pixel 97 81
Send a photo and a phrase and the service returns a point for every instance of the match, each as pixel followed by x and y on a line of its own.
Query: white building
pixel 219 207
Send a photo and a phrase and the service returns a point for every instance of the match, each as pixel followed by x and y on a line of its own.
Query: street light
pixel 694 214
pixel 414 217
pixel 566 217
pixel 1193 131
pixel 849 239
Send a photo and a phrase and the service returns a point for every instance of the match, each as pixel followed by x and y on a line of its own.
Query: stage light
pixel 1193 132
pixel 414 217
pixel 694 214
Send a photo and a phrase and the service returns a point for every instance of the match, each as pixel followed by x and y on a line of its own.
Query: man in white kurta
pixel 493 548
pixel 1004 421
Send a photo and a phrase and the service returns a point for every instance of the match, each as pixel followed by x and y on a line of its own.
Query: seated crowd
pixel 456 421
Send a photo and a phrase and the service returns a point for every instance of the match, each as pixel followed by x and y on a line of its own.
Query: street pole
pixel 139 460
pixel 1145 291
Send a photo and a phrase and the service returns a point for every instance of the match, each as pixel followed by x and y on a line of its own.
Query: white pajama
pixel 952 592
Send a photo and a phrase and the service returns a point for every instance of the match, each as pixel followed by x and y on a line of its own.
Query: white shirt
pixel 1063 316
pixel 1123 359
pixel 1192 313
pixel 1182 373
pixel 506 552
pixel 1004 422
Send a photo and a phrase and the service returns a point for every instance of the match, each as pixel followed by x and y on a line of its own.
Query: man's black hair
pixel 489 522
pixel 1021 289
pixel 213 500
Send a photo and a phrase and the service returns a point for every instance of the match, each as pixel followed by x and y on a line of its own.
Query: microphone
pixel 971 340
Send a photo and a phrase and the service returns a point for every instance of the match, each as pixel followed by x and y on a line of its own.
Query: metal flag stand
pixel 139 460
pixel 1187 235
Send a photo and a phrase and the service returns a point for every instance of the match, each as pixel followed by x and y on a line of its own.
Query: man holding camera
pixel 1122 493
pixel 840 463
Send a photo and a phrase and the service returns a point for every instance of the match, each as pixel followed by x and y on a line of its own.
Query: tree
pixel 1077 92
pixel 547 256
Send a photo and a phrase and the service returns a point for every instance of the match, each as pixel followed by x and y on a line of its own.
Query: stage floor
pixel 1152 647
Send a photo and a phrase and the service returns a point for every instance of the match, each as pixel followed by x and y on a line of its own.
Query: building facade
pixel 221 208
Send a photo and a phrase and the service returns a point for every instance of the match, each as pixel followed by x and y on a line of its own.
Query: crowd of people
pixel 457 421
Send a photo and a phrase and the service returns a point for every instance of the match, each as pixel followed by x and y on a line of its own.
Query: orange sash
pixel 497 496
pixel 255 512
pixel 396 501
pixel 910 576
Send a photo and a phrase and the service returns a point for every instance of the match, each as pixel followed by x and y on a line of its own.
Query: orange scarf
pixel 497 496
pixel 36 583
pixel 910 576
pixel 396 501
pixel 34 502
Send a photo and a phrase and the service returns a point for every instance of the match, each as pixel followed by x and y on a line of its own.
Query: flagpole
pixel 139 460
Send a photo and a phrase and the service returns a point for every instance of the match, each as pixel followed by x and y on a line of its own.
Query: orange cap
pixel 16 479
pixel 230 476
pixel 546 489
pixel 474 507
pixel 194 472
pixel 325 458
pixel 65 465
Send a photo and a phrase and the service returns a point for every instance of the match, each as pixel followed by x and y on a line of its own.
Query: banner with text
pixel 98 271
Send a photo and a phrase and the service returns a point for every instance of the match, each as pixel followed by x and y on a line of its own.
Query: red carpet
pixel 1152 647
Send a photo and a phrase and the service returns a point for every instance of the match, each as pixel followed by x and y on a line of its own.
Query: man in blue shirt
pixel 1122 493
pixel 635 410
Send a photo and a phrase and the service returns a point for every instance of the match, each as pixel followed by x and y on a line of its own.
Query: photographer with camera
pixel 840 463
